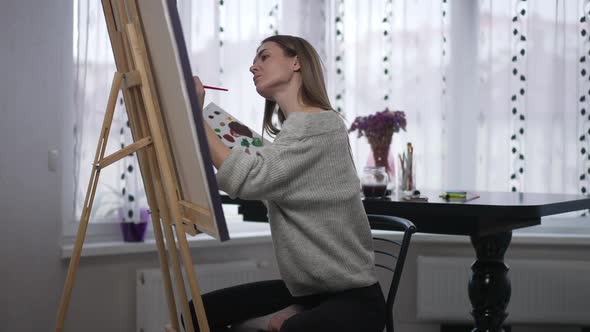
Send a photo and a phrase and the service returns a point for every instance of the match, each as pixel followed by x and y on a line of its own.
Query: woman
pixel 307 177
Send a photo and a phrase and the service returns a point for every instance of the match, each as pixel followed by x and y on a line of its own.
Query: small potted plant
pixel 134 231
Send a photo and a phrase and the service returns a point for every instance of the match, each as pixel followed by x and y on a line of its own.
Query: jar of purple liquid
pixel 374 182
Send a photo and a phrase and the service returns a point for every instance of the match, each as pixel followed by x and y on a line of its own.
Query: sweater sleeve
pixel 256 176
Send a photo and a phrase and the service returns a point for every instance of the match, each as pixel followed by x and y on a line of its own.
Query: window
pixel 495 92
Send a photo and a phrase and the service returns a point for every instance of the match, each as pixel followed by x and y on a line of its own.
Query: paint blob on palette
pixel 231 131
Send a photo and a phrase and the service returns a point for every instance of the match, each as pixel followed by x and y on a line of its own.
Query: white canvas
pixel 171 72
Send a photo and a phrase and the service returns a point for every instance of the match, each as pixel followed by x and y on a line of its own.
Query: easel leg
pixel 173 254
pixel 169 188
pixel 147 162
pixel 192 278
pixel 188 323
pixel 157 225
pixel 92 183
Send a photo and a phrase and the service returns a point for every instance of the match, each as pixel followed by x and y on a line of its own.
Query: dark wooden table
pixel 487 220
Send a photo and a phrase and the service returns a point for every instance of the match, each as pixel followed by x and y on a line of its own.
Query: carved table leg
pixel 489 287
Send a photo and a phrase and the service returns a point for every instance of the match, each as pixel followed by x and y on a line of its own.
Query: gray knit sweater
pixel 320 232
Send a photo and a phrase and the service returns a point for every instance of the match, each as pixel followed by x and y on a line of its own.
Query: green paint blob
pixel 256 141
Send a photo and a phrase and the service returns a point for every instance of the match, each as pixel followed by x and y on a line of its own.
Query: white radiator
pixel 152 308
pixel 543 291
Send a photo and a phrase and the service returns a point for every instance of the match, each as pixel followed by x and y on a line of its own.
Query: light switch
pixel 52 160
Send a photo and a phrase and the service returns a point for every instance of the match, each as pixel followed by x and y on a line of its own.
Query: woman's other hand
pixel 277 320
pixel 279 317
pixel 200 91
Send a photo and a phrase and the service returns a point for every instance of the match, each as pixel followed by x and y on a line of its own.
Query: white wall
pixel 35 73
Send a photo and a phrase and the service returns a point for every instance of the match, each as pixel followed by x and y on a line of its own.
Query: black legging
pixel 353 310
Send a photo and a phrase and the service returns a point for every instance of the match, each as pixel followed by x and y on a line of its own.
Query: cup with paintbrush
pixel 407 178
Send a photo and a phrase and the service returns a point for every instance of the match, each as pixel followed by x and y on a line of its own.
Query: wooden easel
pixel 151 143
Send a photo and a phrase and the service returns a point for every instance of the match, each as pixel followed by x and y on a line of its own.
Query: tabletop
pixel 491 212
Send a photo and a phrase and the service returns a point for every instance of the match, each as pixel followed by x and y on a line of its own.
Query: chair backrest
pixel 391 255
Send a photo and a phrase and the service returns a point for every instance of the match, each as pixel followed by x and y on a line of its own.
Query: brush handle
pixel 214 88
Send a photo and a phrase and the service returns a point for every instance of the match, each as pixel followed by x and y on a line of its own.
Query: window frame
pixel 463 161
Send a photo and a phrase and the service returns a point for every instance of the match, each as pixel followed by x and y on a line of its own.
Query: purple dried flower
pixel 379 127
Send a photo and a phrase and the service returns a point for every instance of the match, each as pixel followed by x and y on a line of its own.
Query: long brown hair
pixel 313 88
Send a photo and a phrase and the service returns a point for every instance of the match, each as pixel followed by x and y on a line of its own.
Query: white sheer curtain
pixel 534 96
pixel 222 38
pixel 120 192
pixel 404 38
pixel 378 54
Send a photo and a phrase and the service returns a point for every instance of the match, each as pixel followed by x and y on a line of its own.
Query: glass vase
pixel 381 156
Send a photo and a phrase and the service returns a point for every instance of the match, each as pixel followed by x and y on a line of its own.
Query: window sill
pixel 554 232
pixel 240 234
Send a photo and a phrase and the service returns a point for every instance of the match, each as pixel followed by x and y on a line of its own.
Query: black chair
pixel 393 258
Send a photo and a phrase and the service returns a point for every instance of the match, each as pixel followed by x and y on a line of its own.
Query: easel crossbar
pixel 131 79
pixel 131 148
